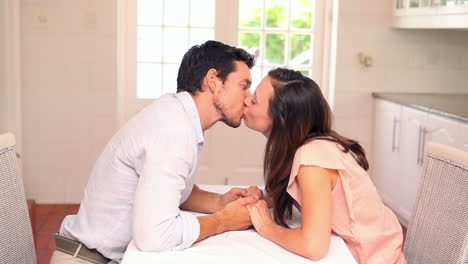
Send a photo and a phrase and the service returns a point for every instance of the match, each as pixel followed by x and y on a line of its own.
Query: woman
pixel 322 173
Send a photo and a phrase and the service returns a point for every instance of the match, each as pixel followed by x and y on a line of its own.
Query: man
pixel 145 174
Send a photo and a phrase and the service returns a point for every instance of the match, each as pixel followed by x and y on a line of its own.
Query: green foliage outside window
pixel 277 17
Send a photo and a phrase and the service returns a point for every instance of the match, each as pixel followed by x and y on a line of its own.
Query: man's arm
pixel 202 201
pixel 234 216
pixel 158 223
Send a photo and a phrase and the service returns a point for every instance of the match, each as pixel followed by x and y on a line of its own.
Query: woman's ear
pixel 211 80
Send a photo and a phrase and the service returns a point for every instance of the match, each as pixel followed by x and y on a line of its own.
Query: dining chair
pixel 438 229
pixel 16 238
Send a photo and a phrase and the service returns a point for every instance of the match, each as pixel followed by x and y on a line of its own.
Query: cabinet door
pixel 463 139
pixel 385 149
pixel 413 122
pixel 430 14
pixel 441 130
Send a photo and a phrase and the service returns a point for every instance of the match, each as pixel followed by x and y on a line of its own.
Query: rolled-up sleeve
pixel 158 223
pixel 175 233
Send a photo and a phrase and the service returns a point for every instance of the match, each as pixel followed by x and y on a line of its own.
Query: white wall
pixel 3 95
pixel 70 96
pixel 404 61
pixel 69 93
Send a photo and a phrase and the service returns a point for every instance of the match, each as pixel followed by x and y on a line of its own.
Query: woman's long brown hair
pixel 299 113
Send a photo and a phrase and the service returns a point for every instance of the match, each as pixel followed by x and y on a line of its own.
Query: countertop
pixel 454 106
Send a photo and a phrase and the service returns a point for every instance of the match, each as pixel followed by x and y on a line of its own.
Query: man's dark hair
pixel 199 59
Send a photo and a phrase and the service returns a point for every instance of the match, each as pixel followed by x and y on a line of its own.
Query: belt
pixel 79 250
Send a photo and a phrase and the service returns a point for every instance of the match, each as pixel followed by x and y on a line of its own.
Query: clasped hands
pixel 243 208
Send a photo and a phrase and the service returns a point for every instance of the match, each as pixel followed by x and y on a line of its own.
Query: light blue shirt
pixel 137 184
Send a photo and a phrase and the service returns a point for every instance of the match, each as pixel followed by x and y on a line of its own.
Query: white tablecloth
pixel 237 247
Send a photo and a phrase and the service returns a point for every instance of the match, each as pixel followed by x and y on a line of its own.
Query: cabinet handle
pixel 419 146
pixel 421 140
pixel 395 121
pixel 423 132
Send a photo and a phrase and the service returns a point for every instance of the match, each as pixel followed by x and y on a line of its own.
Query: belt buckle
pixel 78 250
pixel 81 251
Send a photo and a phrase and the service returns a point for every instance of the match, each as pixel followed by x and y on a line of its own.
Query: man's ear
pixel 211 80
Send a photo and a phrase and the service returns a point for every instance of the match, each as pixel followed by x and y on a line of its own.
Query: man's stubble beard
pixel 222 110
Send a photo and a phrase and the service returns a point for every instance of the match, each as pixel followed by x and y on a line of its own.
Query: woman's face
pixel 256 112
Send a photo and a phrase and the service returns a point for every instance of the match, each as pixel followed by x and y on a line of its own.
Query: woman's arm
pixel 312 239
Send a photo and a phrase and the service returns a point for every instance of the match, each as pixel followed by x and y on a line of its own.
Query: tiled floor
pixel 48 220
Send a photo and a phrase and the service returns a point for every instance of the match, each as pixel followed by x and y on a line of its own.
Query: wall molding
pixel 122 35
pixel 12 80
pixel 328 49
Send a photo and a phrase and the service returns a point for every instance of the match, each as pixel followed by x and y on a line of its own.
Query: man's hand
pixel 236 193
pixel 235 215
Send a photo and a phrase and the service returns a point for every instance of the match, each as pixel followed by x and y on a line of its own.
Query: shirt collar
pixel 189 105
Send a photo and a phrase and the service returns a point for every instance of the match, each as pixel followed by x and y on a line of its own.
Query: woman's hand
pixel 236 193
pixel 254 190
pixel 261 217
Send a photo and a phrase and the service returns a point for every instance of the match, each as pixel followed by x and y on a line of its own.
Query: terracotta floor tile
pixel 48 220
pixel 45 219
pixel 42 241
pixel 52 243
pixel 44 209
pixel 45 259
pixel 52 225
pixel 73 209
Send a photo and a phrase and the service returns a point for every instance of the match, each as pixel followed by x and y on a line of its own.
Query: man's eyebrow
pixel 249 82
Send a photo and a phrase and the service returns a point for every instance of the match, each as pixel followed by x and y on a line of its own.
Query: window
pixel 166 30
pixel 278 32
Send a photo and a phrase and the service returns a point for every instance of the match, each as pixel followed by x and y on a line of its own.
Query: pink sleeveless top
pixel 370 229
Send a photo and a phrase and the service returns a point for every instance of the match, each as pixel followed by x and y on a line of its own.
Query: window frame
pixel 226 31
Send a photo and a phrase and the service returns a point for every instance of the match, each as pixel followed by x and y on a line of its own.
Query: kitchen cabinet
pixel 400 135
pixel 386 154
pixel 410 162
pixel 464 137
pixel 430 14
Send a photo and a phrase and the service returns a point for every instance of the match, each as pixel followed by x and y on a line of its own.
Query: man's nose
pixel 248 99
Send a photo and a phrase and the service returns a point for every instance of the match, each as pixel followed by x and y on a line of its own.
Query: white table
pixel 238 247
